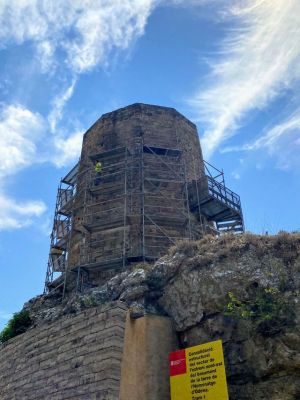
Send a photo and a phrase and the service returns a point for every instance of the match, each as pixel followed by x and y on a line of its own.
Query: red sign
pixel 177 362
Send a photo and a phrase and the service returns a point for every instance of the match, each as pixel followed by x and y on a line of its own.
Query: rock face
pixel 241 289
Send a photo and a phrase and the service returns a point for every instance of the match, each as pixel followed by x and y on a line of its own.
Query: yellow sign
pixel 198 373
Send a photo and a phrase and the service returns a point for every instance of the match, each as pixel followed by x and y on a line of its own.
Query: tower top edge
pixel 141 108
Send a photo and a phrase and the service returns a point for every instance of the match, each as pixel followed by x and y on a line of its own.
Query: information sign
pixel 198 373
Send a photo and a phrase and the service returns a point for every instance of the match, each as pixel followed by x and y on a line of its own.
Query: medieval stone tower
pixel 140 186
pixel 153 189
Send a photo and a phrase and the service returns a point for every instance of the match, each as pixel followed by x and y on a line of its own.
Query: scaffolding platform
pixel 216 202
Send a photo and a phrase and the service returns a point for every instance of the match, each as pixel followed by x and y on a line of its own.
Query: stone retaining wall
pixel 75 357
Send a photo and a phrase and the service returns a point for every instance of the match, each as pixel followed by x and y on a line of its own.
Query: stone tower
pixel 152 191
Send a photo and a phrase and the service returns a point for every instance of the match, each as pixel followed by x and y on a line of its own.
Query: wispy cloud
pixel 67 149
pixel 15 215
pixel 259 59
pixel 45 56
pixel 20 132
pixel 58 104
pixel 282 141
pixel 85 31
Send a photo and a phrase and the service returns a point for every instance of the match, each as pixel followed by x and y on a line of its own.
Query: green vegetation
pixel 18 324
pixel 89 301
pixel 267 307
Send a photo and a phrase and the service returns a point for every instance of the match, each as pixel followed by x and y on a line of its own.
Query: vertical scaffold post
pixel 78 287
pixel 187 201
pixel 197 194
pixel 125 208
pixel 143 198
pixel 49 273
pixel 88 181
pixel 70 230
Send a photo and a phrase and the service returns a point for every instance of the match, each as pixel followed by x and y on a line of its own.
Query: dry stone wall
pixel 74 357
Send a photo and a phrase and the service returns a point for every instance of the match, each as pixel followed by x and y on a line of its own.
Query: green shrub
pixel 18 324
pixel 266 307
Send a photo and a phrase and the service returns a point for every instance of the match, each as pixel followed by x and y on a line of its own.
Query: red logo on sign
pixel 177 362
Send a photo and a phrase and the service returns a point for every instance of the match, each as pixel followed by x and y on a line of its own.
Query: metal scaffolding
pixel 133 211
pixel 61 232
pixel 218 204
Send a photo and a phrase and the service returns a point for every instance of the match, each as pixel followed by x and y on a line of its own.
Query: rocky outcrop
pixel 241 289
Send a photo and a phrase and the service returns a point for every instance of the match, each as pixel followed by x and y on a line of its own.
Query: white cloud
pixel 260 58
pixel 58 105
pixel 104 26
pixel 15 215
pixel 272 137
pixel 68 149
pixel 85 30
pixel 24 138
pixel 45 55
pixel 20 130
pixel 282 142
pixel 24 142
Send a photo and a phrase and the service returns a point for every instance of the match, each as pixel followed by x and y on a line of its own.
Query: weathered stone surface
pixel 134 127
pixel 73 357
pixel 191 285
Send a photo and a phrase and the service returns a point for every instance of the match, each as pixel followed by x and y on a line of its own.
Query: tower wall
pixel 138 206
pixel 157 126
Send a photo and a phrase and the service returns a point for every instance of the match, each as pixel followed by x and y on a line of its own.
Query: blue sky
pixel 231 66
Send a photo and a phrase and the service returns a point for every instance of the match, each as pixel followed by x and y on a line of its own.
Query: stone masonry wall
pixel 158 126
pixel 100 202
pixel 75 357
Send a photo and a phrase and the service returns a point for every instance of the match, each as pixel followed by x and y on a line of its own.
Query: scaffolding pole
pixel 125 209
